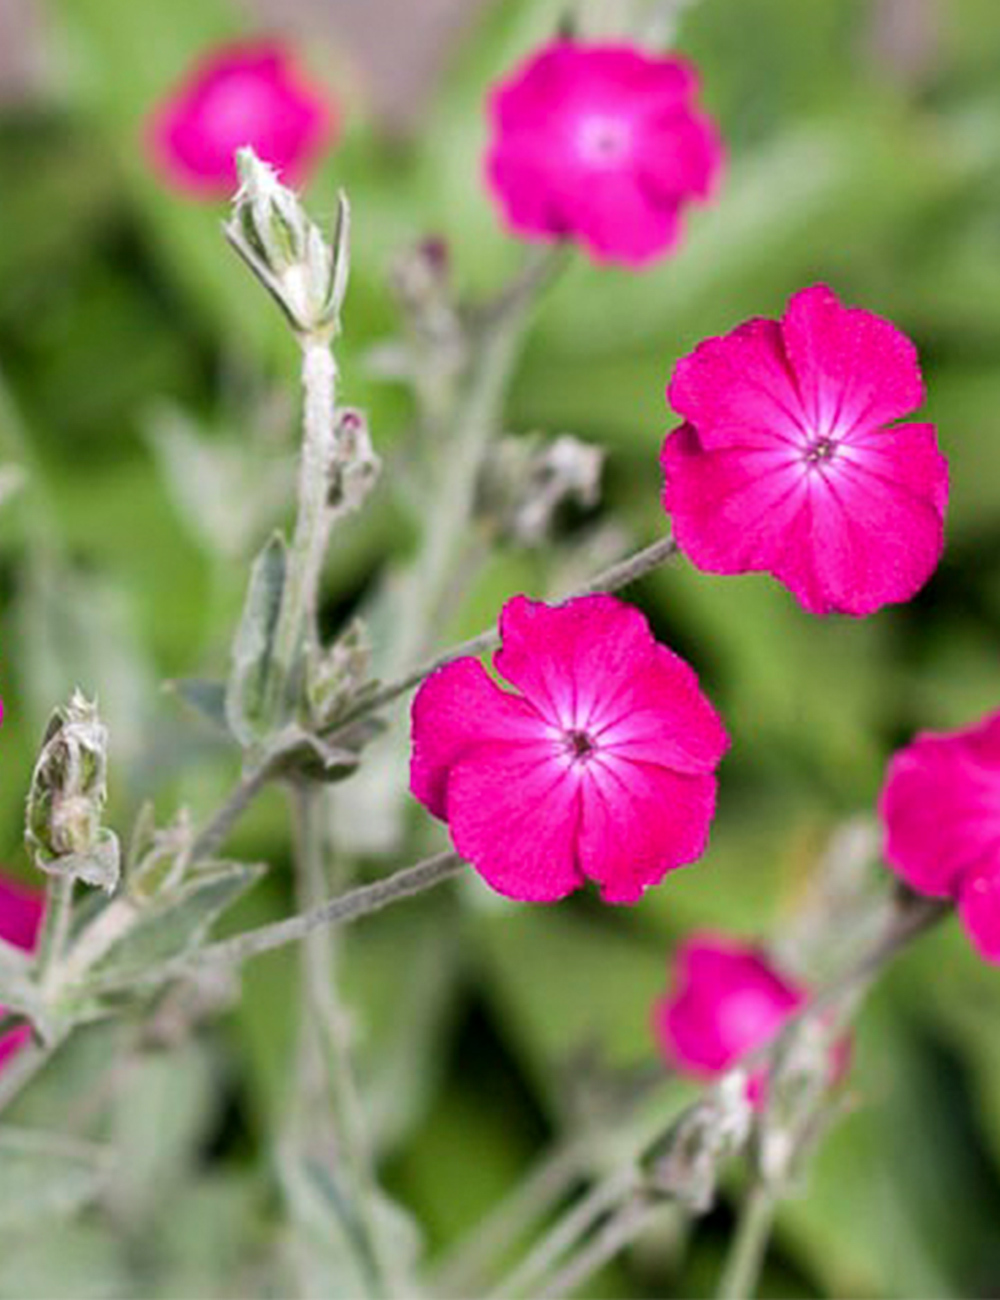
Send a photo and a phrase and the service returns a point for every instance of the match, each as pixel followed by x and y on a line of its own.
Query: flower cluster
pixel 21 913
pixel 940 807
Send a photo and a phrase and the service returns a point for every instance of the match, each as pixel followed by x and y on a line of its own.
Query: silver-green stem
pixel 56 928
pixel 296 629
pixel 631 1219
pixel 325 1050
pixel 565 1234
pixel 742 1269
pixel 451 511
pixel 618 575
pixel 462 1272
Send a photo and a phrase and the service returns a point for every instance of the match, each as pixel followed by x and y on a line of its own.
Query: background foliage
pixel 864 144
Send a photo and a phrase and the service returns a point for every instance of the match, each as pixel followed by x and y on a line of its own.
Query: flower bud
pixel 527 482
pixel 66 801
pixel 354 465
pixel 706 1136
pixel 271 231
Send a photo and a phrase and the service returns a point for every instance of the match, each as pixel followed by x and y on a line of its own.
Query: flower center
pixel 603 141
pixel 579 745
pixel 820 450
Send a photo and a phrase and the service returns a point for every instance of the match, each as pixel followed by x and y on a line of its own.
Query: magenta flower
pixel 21 911
pixel 601 769
pixel 728 1001
pixel 788 460
pixel 241 95
pixel 600 143
pixel 940 808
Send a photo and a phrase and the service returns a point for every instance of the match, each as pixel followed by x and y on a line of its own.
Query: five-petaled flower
pixel 728 1000
pixel 602 769
pixel 600 143
pixel 940 808
pixel 788 461
pixel 241 95
pixel 21 911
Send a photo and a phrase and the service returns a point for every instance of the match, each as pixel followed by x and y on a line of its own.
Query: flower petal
pixel 979 909
pixel 456 709
pixel 940 807
pixel 730 508
pixel 874 541
pixel 638 822
pixel 741 382
pixel 854 369
pixel 513 814
pixel 21 913
pixel 574 658
pixel 663 717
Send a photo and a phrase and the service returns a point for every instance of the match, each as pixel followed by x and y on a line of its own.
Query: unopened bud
pixel 689 1164
pixel 66 801
pixel 527 482
pixel 354 465
pixel 286 250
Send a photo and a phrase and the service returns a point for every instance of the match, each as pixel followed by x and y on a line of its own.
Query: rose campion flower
pixel 601 769
pixel 241 95
pixel 789 461
pixel 602 144
pixel 940 809
pixel 21 911
pixel 727 1001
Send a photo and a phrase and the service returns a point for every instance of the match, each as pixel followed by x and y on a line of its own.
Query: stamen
pixel 820 450
pixel 579 744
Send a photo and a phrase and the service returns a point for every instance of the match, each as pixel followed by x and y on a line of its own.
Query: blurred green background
pixel 864 150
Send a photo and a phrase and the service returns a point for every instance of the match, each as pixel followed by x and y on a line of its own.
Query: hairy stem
pixel 56 927
pixel 296 628
pixel 546 1184
pixel 497 342
pixel 745 1260
pixel 910 917
pixel 611 579
pixel 341 910
pixel 621 1228
pixel 19 1071
pixel 325 1066
pixel 564 1235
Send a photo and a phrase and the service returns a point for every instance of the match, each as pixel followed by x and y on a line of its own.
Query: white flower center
pixel 603 140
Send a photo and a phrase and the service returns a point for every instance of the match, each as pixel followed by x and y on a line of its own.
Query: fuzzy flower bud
pixel 66 801
pixel 288 253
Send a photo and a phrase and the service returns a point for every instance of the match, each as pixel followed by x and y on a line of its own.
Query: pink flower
pixel 602 769
pixel 21 911
pixel 600 143
pixel 728 1001
pixel 940 807
pixel 242 95
pixel 788 461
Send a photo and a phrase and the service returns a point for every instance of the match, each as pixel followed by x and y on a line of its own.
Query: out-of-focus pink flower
pixel 727 1001
pixel 940 808
pixel 21 911
pixel 602 769
pixel 788 461
pixel 240 95
pixel 602 144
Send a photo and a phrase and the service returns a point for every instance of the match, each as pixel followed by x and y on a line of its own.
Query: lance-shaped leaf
pixel 252 651
pixel 173 923
pixel 43 1175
